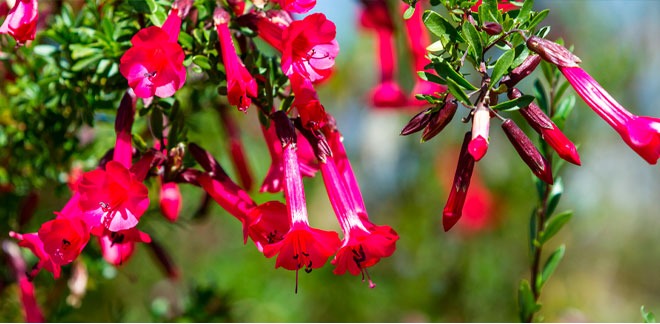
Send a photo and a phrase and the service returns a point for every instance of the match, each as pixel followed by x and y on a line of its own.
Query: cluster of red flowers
pixel 109 201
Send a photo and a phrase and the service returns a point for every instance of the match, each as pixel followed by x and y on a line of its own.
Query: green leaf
pixel 541 97
pixel 527 306
pixel 202 61
pixel 501 66
pixel 456 90
pixel 88 61
pixel 514 104
pixel 409 12
pixel 553 225
pixel 538 17
pixel 555 195
pixel 439 26
pixel 648 317
pixel 523 16
pixel 550 266
pixel 446 71
pixel 143 6
pixel 473 40
pixel 564 109
pixel 426 76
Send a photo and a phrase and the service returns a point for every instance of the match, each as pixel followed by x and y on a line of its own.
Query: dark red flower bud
pixel 454 207
pixel 549 132
pixel 440 119
pixel 552 52
pixel 207 162
pixel 492 28
pixel 284 128
pixel 522 71
pixel 418 122
pixel 527 151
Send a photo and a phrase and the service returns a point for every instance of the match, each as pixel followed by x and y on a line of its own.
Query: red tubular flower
pixel 170 200
pixel 21 22
pixel 418 40
pixel 154 65
pixel 364 243
pixel 63 239
pixel 237 153
pixel 454 207
pixel 270 26
pixel 31 311
pixel 641 133
pixel 273 180
pixel 340 158
pixel 34 244
pixel 112 197
pixel 297 6
pixel 123 151
pixel 549 132
pixel 480 127
pixel 228 195
pixel 503 5
pixel 303 246
pixel 118 247
pixel 241 86
pixel 387 94
pixel 306 101
pixel 309 48
pixel 268 223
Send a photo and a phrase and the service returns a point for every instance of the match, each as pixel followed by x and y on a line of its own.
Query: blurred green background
pixel 613 252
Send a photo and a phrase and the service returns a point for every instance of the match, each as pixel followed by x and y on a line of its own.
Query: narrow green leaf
pixel 430 77
pixel 550 266
pixel 564 109
pixel 473 40
pixel 86 62
pixel 553 225
pixel 202 61
pixel 527 306
pixel 456 90
pixel 409 12
pixel 523 16
pixel 514 104
pixel 537 18
pixel 648 317
pixel 561 90
pixel 438 25
pixel 501 66
pixel 541 97
pixel 555 195
pixel 446 71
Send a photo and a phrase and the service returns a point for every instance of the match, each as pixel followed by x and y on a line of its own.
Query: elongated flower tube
pixel 641 133
pixel 303 246
pixel 31 311
pixel 480 127
pixel 241 86
pixel 32 242
pixel 458 191
pixel 549 132
pixel 306 101
pixel 527 151
pixel 388 93
pixel 364 244
pixel 418 40
pixel 236 150
pixel 154 65
pixel 21 22
pixel 275 175
pixel 123 151
pixel 521 71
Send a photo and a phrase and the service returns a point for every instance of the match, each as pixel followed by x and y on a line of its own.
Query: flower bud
pixel 527 151
pixel 418 122
pixel 440 119
pixel 480 128
pixel 552 52
pixel 492 28
pixel 284 128
pixel 522 71
pixel 454 207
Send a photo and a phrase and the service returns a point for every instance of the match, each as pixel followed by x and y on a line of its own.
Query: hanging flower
pixel 21 22
pixel 118 247
pixel 297 6
pixel 154 65
pixel 459 188
pixel 241 86
pixel 63 239
pixel 309 47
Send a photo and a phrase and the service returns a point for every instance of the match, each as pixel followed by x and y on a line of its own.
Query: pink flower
pixel 241 86
pixel 228 195
pixel 364 244
pixel 21 22
pixel 418 40
pixel 340 158
pixel 458 191
pixel 297 6
pixel 170 200
pixel 303 246
pixel 309 48
pixel 275 175
pixel 154 65
pixel 268 223
pixel 387 93
pixel 63 239
pixel 113 197
pixel 641 133
pixel 34 244
pixel 118 247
